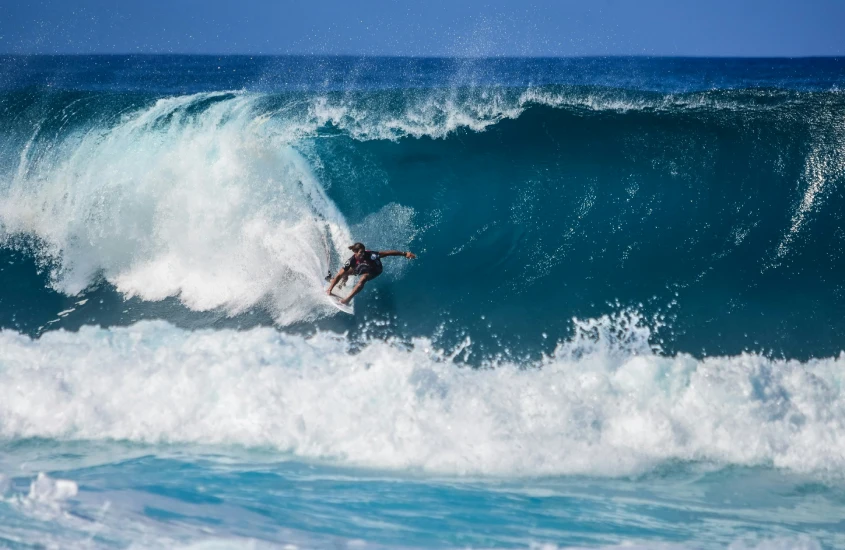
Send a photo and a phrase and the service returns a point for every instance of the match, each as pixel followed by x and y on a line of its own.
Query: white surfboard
pixel 334 300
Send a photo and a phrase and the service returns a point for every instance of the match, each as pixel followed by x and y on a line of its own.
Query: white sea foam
pixel 45 489
pixel 603 404
pixel 191 197
pixel 436 115
pixel 45 502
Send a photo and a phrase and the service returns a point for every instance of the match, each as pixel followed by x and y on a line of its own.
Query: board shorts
pixel 371 270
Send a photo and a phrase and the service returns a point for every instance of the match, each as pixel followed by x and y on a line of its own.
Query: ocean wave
pixel 603 404
pixel 237 201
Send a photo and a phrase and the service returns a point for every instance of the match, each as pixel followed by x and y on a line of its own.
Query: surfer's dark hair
pixel 357 246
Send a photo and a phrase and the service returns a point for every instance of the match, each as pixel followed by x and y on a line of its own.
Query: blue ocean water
pixel 624 327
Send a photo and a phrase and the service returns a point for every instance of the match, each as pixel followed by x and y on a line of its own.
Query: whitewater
pixel 623 329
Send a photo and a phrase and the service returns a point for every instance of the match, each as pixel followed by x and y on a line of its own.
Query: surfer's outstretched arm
pixel 409 255
pixel 343 273
pixel 362 280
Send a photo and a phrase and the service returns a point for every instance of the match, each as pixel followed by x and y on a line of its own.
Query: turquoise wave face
pixel 721 222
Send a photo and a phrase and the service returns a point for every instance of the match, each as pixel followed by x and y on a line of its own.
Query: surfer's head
pixel 358 249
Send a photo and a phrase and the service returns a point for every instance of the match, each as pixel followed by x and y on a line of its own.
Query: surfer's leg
pixel 362 280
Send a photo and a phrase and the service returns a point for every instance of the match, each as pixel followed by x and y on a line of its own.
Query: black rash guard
pixel 370 263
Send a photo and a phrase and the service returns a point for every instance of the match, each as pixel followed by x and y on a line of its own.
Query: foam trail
pixel 47 490
pixel 824 166
pixel 603 404
pixel 189 197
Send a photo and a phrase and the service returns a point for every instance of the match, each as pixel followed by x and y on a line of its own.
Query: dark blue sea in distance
pixel 625 324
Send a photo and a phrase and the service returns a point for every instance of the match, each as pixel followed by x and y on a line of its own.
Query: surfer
pixel 364 263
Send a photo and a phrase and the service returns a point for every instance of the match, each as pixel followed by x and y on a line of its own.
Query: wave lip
pixel 600 405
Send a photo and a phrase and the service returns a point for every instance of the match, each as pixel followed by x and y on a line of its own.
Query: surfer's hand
pixel 329 292
pixel 410 255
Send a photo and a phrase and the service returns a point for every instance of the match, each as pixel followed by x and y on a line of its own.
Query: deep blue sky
pixel 426 27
